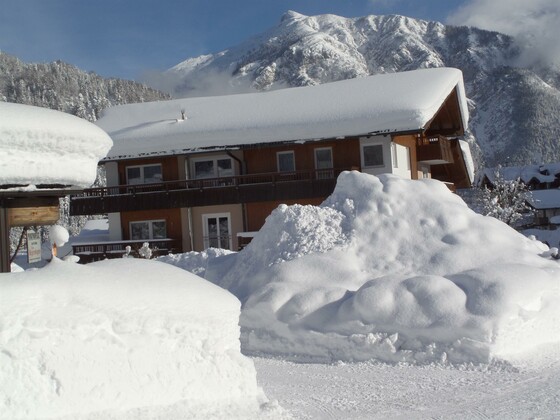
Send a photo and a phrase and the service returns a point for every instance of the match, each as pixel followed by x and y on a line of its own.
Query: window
pixel 324 162
pixel 286 161
pixel 148 229
pixel 373 155
pixel 144 174
pixel 217 230
pixel 217 167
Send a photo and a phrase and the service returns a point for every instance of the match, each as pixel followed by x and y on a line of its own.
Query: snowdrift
pixel 121 339
pixel 392 269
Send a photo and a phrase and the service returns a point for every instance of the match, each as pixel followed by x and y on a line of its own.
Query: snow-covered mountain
pixel 515 110
pixel 64 87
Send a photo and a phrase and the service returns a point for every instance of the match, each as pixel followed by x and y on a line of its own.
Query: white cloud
pixel 535 23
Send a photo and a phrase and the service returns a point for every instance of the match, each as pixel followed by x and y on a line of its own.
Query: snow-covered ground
pixel 389 269
pixel 413 306
pixel 530 389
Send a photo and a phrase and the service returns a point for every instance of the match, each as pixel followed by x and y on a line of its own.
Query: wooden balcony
pixel 205 192
pixel 434 150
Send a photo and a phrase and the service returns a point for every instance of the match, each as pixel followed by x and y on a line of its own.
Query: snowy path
pixel 372 390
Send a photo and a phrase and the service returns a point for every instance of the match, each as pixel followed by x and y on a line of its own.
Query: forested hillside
pixel 63 87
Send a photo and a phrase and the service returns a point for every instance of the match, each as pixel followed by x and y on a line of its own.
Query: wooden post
pixel 4 240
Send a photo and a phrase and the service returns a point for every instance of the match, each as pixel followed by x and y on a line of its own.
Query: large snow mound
pixel 392 269
pixel 43 146
pixel 131 337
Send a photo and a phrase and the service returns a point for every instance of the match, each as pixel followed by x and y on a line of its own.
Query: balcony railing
pixel 204 192
pixel 435 150
pixel 95 251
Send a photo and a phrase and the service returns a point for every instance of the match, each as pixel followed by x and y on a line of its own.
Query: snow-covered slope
pixel 514 109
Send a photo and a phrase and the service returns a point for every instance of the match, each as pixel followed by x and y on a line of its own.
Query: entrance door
pixel 217 230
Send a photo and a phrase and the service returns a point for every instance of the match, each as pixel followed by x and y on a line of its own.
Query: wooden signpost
pixel 27 208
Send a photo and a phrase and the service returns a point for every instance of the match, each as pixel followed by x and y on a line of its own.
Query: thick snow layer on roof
pixel 382 103
pixel 43 146
pixel 467 157
pixel 545 199
pixel 121 339
pixel 392 269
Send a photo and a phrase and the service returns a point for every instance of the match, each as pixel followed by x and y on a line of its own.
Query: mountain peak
pixel 292 15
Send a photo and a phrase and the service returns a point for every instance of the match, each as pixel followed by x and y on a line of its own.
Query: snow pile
pixel 43 146
pixel 194 262
pixel 58 235
pixel 392 269
pixel 124 338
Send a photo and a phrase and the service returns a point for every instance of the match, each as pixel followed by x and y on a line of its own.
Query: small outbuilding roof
pixel 385 103
pixel 545 199
pixel 40 146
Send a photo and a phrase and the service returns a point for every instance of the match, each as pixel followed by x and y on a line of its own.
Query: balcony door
pixel 212 167
pixel 217 230
pixel 143 174
pixel 324 162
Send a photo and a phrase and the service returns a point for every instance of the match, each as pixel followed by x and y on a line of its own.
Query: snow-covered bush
pixel 506 200
pixel 145 251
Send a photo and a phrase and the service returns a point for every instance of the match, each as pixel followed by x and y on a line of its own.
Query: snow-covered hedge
pixel 121 339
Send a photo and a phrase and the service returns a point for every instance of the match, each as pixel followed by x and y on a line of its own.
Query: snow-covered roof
pixel 384 103
pixel 43 146
pixel 543 173
pixel 545 199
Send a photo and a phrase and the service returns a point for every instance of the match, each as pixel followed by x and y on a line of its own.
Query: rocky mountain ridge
pixel 514 110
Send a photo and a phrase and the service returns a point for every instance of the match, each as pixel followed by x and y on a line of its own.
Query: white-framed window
pixel 148 229
pixel 372 155
pixel 144 174
pixel 216 229
pixel 286 161
pixel 212 167
pixel 324 162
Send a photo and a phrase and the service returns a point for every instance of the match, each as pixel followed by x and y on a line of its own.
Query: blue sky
pixel 126 38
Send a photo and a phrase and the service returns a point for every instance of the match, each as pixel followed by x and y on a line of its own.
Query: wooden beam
pixel 4 241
